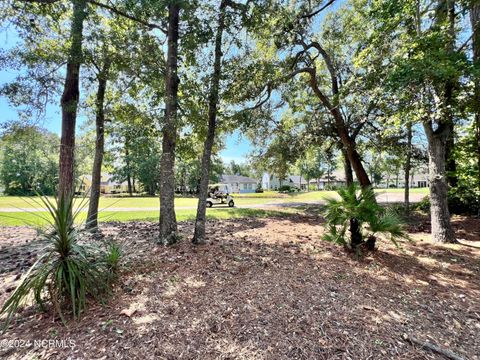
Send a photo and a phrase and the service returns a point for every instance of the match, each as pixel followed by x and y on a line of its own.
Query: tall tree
pixel 407 167
pixel 102 78
pixel 438 135
pixel 168 221
pixel 70 99
pixel 475 24
pixel 213 98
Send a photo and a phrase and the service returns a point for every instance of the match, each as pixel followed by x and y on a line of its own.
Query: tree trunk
pixel 437 141
pixel 408 165
pixel 328 176
pixel 129 184
pixel 92 217
pixel 168 221
pixel 129 171
pixel 451 165
pixel 355 234
pixel 351 151
pixel 199 235
pixel 442 231
pixel 69 102
pixel 348 169
pixel 475 22
pixel 448 9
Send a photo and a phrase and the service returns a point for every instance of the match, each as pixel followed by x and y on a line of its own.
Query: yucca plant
pixel 357 219
pixel 67 273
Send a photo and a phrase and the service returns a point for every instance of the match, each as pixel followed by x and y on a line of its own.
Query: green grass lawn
pixel 412 190
pixel 40 218
pixel 153 202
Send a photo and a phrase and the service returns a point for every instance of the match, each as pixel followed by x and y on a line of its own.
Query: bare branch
pixel 125 15
pixel 312 14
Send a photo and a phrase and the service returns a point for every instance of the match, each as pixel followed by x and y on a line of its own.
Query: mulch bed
pixel 262 289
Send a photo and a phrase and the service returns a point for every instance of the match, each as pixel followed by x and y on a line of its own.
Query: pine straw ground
pixel 268 289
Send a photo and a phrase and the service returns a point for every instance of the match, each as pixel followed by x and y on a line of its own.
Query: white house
pixel 418 179
pixel 336 179
pixel 107 184
pixel 239 184
pixel 272 182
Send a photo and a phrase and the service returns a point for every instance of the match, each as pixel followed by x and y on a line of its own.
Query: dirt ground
pixel 262 289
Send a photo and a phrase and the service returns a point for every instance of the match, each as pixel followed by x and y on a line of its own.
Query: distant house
pixel 239 184
pixel 107 184
pixel 418 179
pixel 272 182
pixel 336 179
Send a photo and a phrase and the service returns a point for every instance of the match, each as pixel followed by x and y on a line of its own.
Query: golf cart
pixel 219 194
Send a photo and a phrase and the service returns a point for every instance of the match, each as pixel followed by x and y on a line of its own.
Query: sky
pixel 237 146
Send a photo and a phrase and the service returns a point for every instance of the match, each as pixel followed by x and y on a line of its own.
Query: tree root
pixel 432 347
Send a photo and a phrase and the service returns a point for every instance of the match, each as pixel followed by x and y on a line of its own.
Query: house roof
pixel 336 175
pixel 229 179
pixel 297 179
pixel 106 180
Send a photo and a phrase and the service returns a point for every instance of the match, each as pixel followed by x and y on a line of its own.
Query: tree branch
pixel 432 347
pixel 309 16
pixel 123 14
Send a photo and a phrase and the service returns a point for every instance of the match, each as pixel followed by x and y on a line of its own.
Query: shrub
pixel 285 188
pixel 423 205
pixel 331 187
pixel 67 273
pixel 354 218
pixel 461 201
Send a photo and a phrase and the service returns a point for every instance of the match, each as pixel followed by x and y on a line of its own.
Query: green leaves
pixel 67 273
pixel 361 205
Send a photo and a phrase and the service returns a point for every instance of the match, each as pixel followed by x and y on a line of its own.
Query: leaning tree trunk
pixel 341 129
pixel 442 231
pixel 199 235
pixel 408 165
pixel 92 217
pixel 356 163
pixel 347 168
pixel 349 146
pixel 69 101
pixel 168 221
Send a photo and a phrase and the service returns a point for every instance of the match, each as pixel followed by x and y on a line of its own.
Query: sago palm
pixel 357 216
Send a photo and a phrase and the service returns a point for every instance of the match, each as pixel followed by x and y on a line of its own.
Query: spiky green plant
pixel 112 259
pixel 67 273
pixel 357 216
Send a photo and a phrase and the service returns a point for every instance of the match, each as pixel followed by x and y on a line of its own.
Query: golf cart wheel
pixel 209 204
pixel 231 203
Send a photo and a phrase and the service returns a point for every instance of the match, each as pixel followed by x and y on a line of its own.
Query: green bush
pixel 67 274
pixel 461 201
pixel 356 219
pixel 285 188
pixel 423 205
